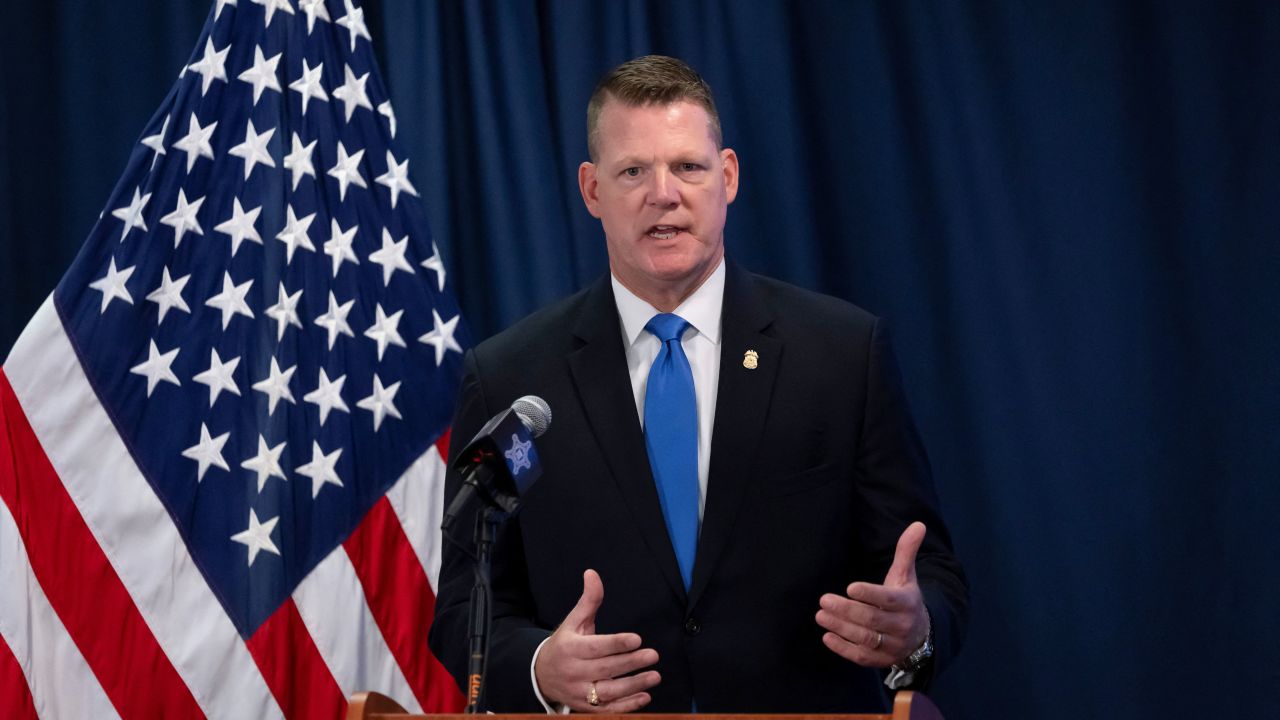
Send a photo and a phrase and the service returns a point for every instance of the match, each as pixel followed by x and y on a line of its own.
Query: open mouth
pixel 663 232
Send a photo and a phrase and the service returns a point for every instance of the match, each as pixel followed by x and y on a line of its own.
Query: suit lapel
pixel 742 403
pixel 599 370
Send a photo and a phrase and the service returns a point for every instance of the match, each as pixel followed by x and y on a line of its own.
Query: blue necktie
pixel 671 437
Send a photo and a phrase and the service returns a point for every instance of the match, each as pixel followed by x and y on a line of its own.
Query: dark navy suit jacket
pixel 816 469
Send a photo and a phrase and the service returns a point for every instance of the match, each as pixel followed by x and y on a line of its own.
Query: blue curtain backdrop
pixel 1070 211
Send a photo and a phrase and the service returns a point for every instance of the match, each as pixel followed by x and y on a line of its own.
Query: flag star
pixel 308 84
pixel 327 396
pixel 347 171
pixel 353 21
pixel 131 214
pixel 196 142
pixel 314 9
pixel 213 66
pixel 207 452
pixel 385 330
pixel 285 312
pixel 112 286
pixel 231 300
pixel 436 264
pixel 263 74
pixel 352 93
pixel 391 256
pixel 298 161
pixel 271 6
pixel 254 149
pixel 218 376
pixel 294 235
pixel 157 367
pixel 381 402
pixel 396 178
pixel 321 469
pixel 239 227
pixel 441 336
pixel 183 218
pixel 169 295
pixel 385 110
pixel 257 536
pixel 276 386
pixel 156 142
pixel 221 3
pixel 266 463
pixel 338 246
pixel 335 321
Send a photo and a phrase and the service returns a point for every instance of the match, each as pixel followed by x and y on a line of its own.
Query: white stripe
pixel 61 683
pixel 131 524
pixel 418 499
pixel 333 608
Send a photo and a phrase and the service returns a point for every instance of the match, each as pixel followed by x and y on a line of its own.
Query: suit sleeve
pixel 513 636
pixel 897 487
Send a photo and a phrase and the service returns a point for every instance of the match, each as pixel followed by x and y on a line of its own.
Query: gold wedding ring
pixel 879 641
pixel 593 698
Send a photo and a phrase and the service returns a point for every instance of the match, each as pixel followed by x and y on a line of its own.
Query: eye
pixel 688 167
pixel 632 172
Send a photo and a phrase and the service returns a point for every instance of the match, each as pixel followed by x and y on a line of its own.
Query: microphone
pixel 501 463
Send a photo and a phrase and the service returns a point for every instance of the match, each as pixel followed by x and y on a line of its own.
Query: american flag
pixel 221 437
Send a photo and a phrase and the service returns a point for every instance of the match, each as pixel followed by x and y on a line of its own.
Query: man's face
pixel 660 188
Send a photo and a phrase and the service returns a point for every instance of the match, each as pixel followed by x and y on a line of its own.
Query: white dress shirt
pixel 701 343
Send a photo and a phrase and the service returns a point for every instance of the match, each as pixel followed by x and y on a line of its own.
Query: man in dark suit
pixel 731 456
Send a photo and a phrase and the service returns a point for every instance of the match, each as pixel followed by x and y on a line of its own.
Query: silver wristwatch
pixel 904 673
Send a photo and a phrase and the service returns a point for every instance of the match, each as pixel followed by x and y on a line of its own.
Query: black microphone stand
pixel 480 615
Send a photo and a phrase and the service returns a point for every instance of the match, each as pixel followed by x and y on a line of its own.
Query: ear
pixel 588 185
pixel 729 161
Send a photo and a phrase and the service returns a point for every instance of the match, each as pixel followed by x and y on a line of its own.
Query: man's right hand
pixel 574 657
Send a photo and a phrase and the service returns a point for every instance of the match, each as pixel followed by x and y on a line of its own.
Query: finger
pixel 628 704
pixel 887 642
pixel 903 570
pixel 853 632
pixel 590 647
pixel 614 665
pixel 583 615
pixel 612 691
pixel 854 611
pixel 859 654
pixel 880 596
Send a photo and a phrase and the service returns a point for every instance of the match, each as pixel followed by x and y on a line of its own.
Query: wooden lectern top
pixel 907 705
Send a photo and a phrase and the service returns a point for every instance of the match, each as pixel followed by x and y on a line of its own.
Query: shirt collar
pixel 701 309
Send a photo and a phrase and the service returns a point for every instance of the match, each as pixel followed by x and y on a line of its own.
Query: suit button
pixel 691 627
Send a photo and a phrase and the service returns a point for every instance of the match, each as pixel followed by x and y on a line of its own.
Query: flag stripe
pixel 132 528
pixel 418 502
pixel 80 583
pixel 58 680
pixel 332 606
pixel 15 696
pixel 295 672
pixel 401 600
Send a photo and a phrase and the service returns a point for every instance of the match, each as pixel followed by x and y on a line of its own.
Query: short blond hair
pixel 650 80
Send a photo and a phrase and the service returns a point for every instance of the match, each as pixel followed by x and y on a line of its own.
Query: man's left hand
pixel 880 625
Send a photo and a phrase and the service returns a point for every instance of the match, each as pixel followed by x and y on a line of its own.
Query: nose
pixel 662 189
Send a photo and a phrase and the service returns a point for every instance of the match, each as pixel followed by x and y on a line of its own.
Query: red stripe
pixel 15 696
pixel 294 670
pixel 79 581
pixel 402 603
pixel 442 445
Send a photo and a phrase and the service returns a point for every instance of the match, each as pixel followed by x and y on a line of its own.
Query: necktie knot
pixel 667 326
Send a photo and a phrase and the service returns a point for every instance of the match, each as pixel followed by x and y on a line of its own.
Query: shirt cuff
pixel 533 679
pixel 898 678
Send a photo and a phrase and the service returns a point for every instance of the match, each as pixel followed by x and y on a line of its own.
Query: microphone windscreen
pixel 534 413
